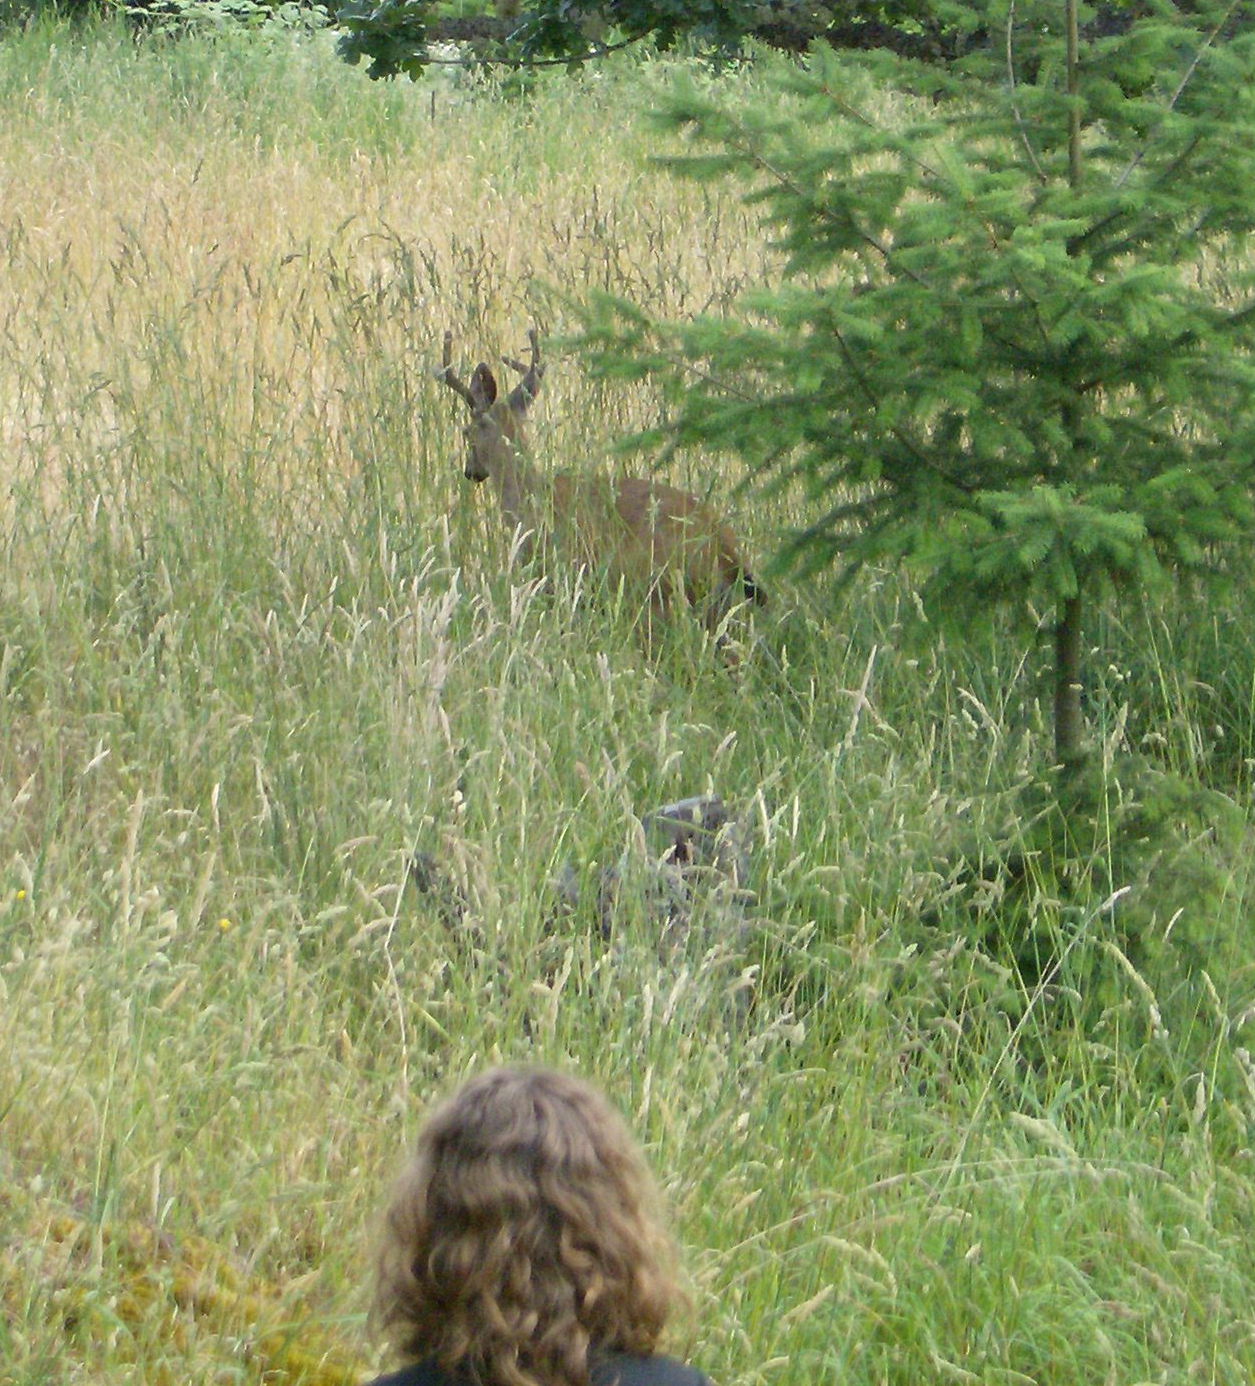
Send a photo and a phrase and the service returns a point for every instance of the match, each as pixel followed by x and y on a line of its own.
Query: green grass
pixel 258 642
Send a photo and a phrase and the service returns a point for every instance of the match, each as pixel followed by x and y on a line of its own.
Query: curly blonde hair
pixel 522 1237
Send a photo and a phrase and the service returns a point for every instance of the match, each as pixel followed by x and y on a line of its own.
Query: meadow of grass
pixel 259 643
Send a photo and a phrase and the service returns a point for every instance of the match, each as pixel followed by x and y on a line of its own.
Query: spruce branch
pixel 909 444
pixel 1181 86
pixel 937 176
pixel 869 528
pixel 1129 240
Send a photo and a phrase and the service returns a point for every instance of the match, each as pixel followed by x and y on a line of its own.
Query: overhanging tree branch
pixel 396 37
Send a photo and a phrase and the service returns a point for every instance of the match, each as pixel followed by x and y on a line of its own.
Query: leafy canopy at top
pixel 396 37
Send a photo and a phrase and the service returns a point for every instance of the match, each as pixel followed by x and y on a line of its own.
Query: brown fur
pixel 653 538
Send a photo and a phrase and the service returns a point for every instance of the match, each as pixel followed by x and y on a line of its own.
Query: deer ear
pixel 483 387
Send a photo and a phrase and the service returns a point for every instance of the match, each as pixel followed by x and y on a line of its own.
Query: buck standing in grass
pixel 656 539
pixel 521 1249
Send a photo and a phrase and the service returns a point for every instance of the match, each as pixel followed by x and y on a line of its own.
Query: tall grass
pixel 258 643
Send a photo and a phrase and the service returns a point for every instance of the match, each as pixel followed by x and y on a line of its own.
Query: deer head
pixel 495 433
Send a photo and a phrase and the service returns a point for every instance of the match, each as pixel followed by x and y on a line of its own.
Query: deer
pixel 652 538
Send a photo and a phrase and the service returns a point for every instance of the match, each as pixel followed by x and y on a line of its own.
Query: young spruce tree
pixel 1011 342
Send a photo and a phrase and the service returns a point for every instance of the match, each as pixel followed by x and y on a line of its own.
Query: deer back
pixel 645 533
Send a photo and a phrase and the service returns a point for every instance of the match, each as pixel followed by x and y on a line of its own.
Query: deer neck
pixel 517 484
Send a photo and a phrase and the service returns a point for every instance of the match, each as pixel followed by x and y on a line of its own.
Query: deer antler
pixel 446 373
pixel 530 384
pixel 533 338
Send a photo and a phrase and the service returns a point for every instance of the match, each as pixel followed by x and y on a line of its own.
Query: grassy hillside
pixel 259 642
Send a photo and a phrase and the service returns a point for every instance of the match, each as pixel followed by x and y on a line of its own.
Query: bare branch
pixel 1019 119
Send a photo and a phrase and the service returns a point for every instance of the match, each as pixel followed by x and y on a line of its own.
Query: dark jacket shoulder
pixel 428 1372
pixel 618 1369
pixel 627 1369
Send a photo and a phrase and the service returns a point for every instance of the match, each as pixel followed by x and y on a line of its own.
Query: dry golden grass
pixel 279 282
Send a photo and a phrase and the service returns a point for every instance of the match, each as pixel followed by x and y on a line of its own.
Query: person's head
pixel 522 1235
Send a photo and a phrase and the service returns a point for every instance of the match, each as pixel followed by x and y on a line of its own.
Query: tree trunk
pixel 1068 723
pixel 1074 90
